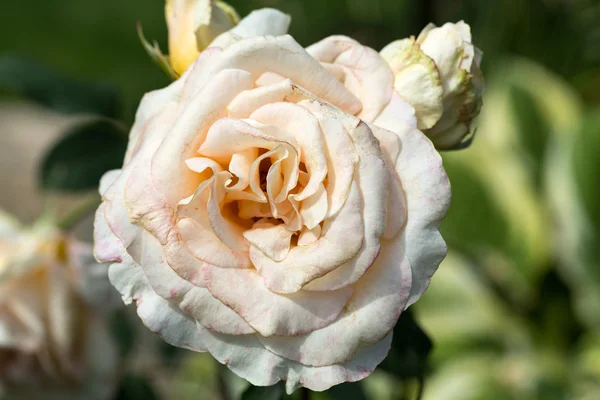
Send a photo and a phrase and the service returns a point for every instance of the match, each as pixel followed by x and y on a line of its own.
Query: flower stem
pixel 305 394
pixel 86 206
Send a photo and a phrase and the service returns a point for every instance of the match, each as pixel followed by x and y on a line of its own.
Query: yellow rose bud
pixel 193 24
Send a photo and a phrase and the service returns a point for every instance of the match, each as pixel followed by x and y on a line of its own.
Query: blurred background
pixel 514 311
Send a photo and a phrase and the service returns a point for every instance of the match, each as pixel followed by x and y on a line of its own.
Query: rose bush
pixel 258 218
pixel 52 335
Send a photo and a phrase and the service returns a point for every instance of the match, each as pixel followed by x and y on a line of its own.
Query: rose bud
pixel 439 75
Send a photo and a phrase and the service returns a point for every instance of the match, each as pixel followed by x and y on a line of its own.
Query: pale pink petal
pixel 367 318
pixel 107 180
pixel 341 160
pixel 273 240
pixel 367 76
pixel 372 178
pixel 245 356
pixel 306 129
pixel 341 239
pixel 171 176
pixel 396 201
pixel 240 166
pixel 271 313
pixel 194 301
pixel 283 56
pixel 314 209
pixel 397 115
pixel 201 164
pixel 262 22
pixel 308 236
pixel 427 191
pixel 228 232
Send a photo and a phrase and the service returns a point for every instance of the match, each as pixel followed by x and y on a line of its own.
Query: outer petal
pixel 367 75
pixel 270 313
pixel 368 317
pixel 416 80
pixel 263 22
pixel 245 356
pixel 427 191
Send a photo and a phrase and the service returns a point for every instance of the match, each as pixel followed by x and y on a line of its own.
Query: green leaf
pixel 136 388
pixel 587 166
pixel 78 161
pixel 274 392
pixel 36 82
pixel 410 348
pixel 531 126
pixel 156 55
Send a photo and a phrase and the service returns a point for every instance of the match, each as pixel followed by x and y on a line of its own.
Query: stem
pixel 421 381
pixel 305 394
pixel 78 213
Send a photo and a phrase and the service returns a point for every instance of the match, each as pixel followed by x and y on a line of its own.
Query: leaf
pixel 136 388
pixel 531 126
pixel 78 161
pixel 156 55
pixel 38 83
pixel 410 348
pixel 274 392
pixel 587 166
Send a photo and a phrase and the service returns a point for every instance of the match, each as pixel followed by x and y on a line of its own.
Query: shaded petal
pixel 367 318
pixel 341 239
pixel 367 75
pixel 262 22
pixel 416 80
pixel 271 313
pixel 245 356
pixel 273 240
pixel 397 115
pixel 372 178
pixel 427 191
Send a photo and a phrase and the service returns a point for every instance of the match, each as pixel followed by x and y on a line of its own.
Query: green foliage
pixel 587 166
pixel 39 83
pixel 135 387
pixel 410 349
pixel 532 128
pixel 78 161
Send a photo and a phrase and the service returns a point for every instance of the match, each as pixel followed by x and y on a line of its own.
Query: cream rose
pixel 257 218
pixel 53 341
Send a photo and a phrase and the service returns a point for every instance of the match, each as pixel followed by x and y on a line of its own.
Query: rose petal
pixel 273 240
pixel 271 313
pixel 367 318
pixel 372 178
pixel 367 75
pixel 262 22
pixel 340 240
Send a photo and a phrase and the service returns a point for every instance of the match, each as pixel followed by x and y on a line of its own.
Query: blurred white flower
pixel 52 338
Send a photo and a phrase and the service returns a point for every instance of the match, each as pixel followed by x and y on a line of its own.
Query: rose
pixel 257 218
pixel 195 24
pixel 438 73
pixel 52 340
